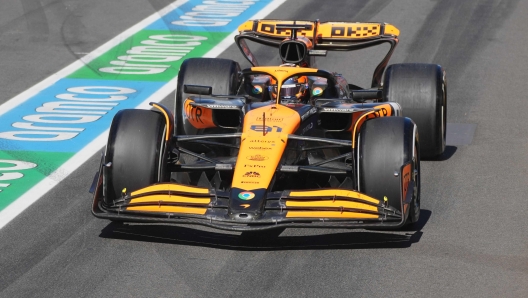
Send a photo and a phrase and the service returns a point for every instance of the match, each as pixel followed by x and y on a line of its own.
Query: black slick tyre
pixel 134 152
pixel 384 146
pixel 420 89
pixel 220 74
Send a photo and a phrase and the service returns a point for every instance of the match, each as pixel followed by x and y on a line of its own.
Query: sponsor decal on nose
pixel 246 195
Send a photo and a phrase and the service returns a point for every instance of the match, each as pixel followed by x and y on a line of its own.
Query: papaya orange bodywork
pixel 349 30
pixel 168 209
pixel 337 203
pixel 334 192
pixel 156 199
pixel 199 117
pixel 265 134
pixel 167 131
pixel 331 203
pixel 171 187
pixel 384 110
pixel 171 199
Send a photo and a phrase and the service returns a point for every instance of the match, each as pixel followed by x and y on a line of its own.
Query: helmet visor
pixel 289 90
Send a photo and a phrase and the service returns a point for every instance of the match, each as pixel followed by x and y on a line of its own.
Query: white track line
pixel 49 81
pixel 41 188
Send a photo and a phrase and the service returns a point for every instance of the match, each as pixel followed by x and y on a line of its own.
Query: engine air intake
pixel 292 51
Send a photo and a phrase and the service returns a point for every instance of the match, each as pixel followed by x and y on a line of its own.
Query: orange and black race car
pixel 279 146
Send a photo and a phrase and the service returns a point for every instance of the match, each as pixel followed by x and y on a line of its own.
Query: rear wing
pixel 323 36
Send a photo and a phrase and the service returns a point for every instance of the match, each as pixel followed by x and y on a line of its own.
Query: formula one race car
pixel 279 146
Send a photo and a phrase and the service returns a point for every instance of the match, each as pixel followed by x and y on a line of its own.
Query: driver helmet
pixel 294 90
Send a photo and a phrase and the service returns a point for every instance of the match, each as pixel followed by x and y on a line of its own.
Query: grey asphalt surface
pixel 472 237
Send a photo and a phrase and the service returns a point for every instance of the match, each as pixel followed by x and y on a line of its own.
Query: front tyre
pixel 384 146
pixel 134 153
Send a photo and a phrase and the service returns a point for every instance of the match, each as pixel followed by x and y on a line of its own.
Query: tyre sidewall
pixel 384 146
pixel 135 151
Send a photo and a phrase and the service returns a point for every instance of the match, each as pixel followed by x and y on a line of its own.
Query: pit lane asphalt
pixel 472 238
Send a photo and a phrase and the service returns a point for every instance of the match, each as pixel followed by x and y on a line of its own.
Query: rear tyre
pixel 220 74
pixel 420 89
pixel 135 149
pixel 384 146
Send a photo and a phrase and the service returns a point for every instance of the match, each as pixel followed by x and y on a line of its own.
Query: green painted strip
pixel 45 163
pixel 154 56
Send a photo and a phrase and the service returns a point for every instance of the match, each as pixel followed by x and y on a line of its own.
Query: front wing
pixel 183 204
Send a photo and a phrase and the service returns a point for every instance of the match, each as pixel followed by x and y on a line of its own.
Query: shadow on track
pixel 448 153
pixel 267 240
